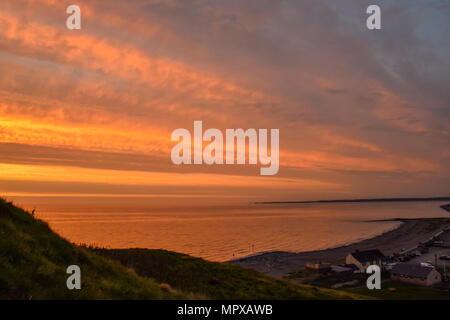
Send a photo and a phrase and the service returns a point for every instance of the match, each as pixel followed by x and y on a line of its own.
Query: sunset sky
pixel 90 112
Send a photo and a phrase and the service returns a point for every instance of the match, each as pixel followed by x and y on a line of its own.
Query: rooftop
pixel 412 270
pixel 368 255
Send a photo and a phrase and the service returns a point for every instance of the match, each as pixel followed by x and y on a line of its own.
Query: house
pixel 319 267
pixel 363 259
pixel 416 274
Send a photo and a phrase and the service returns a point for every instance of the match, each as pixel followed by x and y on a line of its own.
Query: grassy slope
pixel 403 291
pixel 33 262
pixel 212 279
pixel 398 290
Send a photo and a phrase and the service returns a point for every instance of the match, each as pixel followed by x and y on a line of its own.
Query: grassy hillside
pixel 33 262
pixel 212 279
pixel 396 290
pixel 356 283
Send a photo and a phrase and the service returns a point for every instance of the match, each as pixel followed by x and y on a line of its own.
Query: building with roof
pixel 363 259
pixel 416 274
pixel 319 267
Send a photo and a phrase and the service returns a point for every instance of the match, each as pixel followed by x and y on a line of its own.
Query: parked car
pixel 391 265
pixel 426 264
pixel 404 258
pixel 424 250
pixel 444 257
pixel 413 254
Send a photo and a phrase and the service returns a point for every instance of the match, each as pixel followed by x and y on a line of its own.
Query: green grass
pixel 390 289
pixel 212 279
pixel 326 281
pixel 402 291
pixel 34 259
pixel 33 263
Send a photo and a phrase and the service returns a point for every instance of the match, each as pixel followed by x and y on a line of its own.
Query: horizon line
pixel 358 200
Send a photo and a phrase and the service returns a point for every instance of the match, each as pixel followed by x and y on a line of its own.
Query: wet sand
pixel 407 236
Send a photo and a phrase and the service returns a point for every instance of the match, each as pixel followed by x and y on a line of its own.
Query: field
pixel 356 283
pixel 395 290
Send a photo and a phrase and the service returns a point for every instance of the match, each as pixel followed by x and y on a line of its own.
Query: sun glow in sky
pixel 90 112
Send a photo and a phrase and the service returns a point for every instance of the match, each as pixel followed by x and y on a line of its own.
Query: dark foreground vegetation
pixel 211 279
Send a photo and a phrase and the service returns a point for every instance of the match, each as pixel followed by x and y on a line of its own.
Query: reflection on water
pixel 224 233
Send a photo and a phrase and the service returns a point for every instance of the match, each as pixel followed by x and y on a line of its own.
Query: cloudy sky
pixel 90 112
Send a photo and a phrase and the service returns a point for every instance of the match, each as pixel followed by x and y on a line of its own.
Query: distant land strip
pixel 359 200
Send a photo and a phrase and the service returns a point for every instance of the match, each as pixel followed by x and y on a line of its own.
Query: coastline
pixel 359 200
pixel 407 236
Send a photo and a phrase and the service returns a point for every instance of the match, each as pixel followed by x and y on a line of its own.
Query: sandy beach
pixel 407 236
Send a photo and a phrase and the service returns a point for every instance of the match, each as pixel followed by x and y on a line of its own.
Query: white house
pixel 363 259
pixel 416 274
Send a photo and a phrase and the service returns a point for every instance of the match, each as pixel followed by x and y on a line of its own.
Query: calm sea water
pixel 230 232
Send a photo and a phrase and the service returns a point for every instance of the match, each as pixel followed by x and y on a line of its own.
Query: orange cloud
pixel 382 163
pixel 117 59
pixel 95 90
pixel 75 174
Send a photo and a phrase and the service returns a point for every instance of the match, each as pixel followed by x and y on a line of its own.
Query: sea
pixel 225 232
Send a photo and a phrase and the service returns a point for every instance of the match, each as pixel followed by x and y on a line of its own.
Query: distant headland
pixel 359 200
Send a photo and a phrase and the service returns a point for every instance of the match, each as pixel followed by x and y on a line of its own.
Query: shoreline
pixel 408 236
